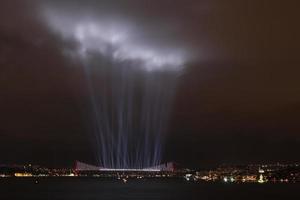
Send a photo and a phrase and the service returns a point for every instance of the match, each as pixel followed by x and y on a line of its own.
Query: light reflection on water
pixel 92 188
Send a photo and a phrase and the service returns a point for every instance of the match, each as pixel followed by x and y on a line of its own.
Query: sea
pixel 140 189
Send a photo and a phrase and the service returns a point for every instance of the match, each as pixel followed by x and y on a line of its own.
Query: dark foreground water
pixel 88 188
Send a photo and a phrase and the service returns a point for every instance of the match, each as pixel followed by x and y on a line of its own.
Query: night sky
pixel 237 99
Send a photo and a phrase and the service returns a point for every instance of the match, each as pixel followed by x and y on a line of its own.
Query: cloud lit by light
pixel 115 38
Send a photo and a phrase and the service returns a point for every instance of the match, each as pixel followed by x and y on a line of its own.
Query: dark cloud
pixel 240 87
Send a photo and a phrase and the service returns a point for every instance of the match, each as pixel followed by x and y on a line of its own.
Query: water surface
pixel 100 189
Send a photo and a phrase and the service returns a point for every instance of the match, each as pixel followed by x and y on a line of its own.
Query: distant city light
pixel 23 175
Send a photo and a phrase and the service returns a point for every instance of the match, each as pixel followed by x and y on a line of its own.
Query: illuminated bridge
pixel 82 167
